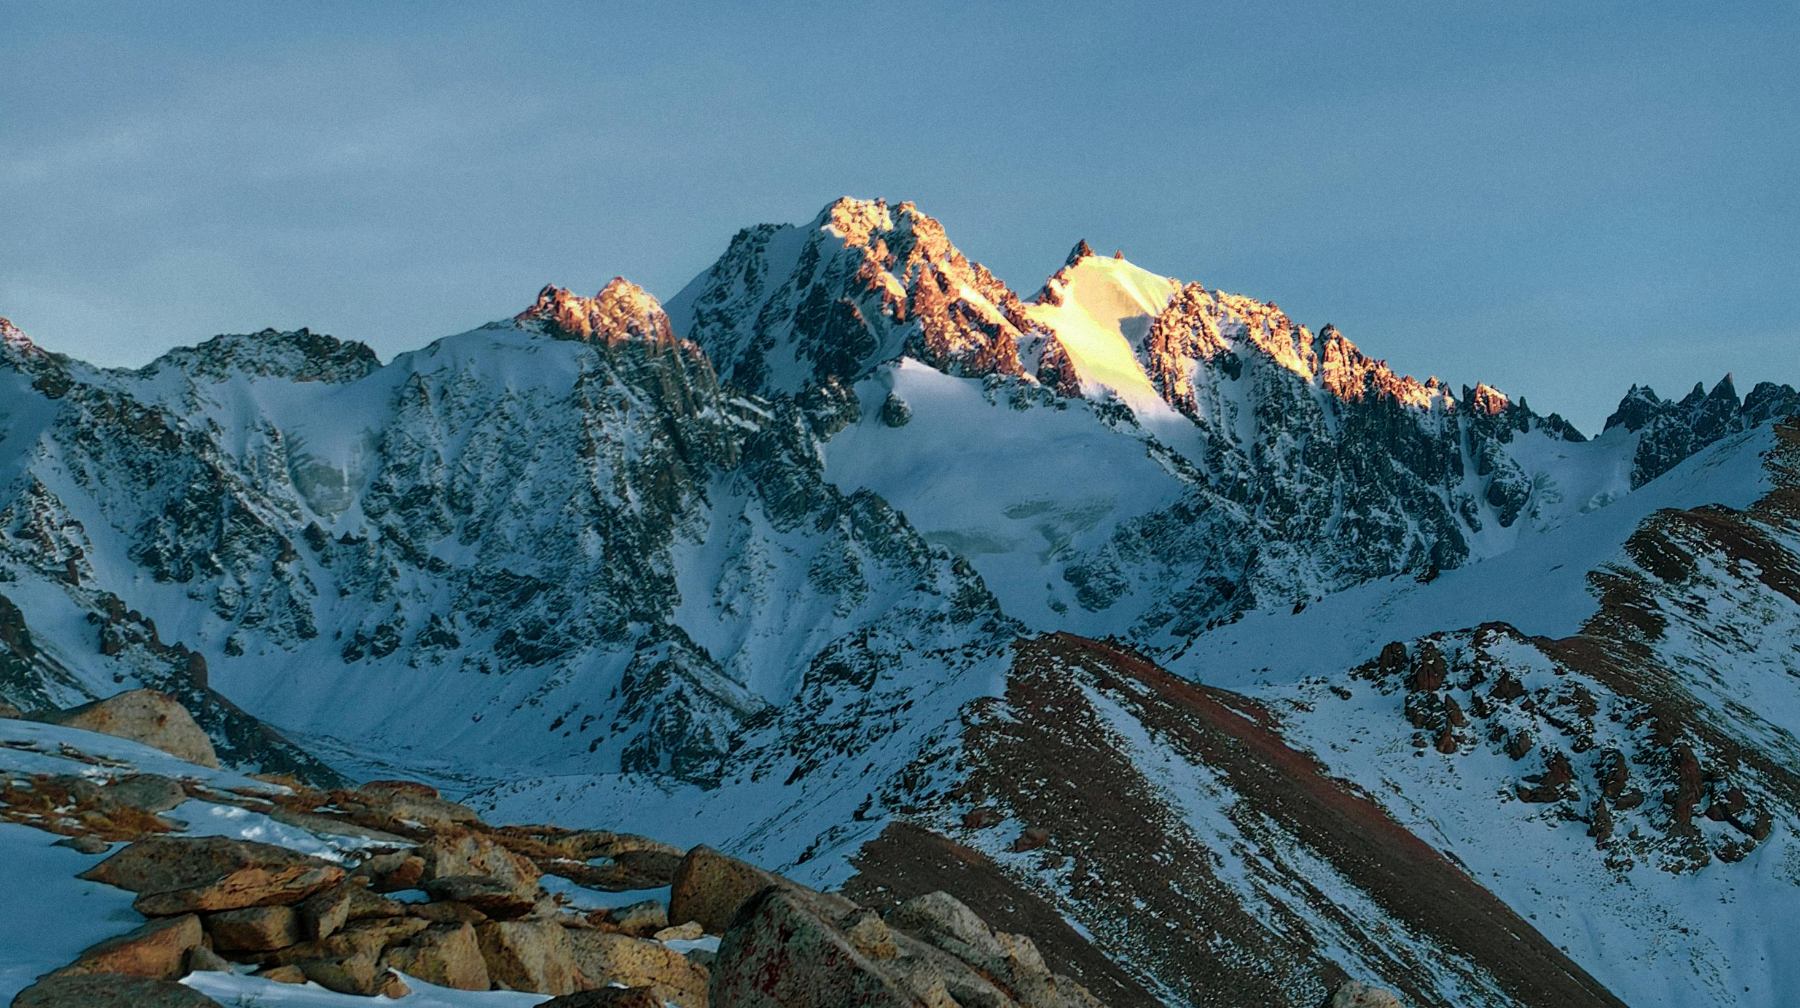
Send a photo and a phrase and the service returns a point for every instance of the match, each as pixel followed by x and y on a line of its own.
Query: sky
pixel 1559 199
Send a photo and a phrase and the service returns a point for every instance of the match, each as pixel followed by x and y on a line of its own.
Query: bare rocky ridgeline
pixel 218 904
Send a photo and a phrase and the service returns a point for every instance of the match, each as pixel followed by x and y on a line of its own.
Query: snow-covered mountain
pixel 769 571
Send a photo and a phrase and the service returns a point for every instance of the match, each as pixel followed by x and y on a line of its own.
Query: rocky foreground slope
pixel 404 888
pixel 1216 655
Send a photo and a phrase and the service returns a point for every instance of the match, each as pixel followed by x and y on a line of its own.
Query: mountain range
pixel 1212 651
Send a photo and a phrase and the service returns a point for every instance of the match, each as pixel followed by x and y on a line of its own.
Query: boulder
pixel 531 956
pixel 607 997
pixel 392 872
pixel 157 950
pixel 143 715
pixel 680 932
pixel 606 958
pixel 329 909
pixel 640 920
pixel 201 959
pixel 473 854
pixel 150 793
pixel 282 974
pixel 492 896
pixel 444 954
pixel 370 936
pixel 183 874
pixel 356 973
pixel 1356 994
pixel 399 804
pixel 254 929
pixel 86 844
pixel 709 887
pixel 1011 961
pixel 103 990
pixel 780 953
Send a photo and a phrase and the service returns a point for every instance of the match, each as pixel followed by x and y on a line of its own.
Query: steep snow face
pixel 1099 312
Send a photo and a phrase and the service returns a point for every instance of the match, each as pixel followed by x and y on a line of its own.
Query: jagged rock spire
pixel 1081 251
pixel 621 310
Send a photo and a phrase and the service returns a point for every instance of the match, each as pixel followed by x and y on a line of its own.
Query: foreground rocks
pixel 217 903
pixel 110 991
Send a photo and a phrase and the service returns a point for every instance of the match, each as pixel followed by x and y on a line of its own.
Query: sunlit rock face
pixel 789 307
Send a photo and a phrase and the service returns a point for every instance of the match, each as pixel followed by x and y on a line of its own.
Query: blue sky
pixel 1560 199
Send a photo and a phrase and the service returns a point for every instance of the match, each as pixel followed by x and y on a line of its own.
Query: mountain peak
pixel 621 310
pixel 855 220
pixel 1081 251
pixel 13 337
pixel 299 354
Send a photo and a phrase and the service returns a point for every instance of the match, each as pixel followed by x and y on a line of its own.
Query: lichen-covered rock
pixel 529 955
pixel 254 929
pixel 490 895
pixel 606 958
pixel 144 715
pixel 444 954
pixel 780 953
pixel 178 875
pixel 710 887
pixel 157 950
pixel 104 990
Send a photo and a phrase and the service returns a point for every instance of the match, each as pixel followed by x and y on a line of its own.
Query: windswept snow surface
pixel 50 914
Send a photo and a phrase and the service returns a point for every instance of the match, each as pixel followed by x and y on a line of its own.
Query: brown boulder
pixel 608 997
pixel 396 806
pixel 606 958
pixel 473 854
pixel 492 896
pixel 329 909
pixel 369 936
pixel 710 887
pixel 201 959
pixel 640 920
pixel 392 872
pixel 445 954
pixel 356 973
pixel 150 793
pixel 531 956
pixel 157 950
pixel 780 953
pixel 183 874
pixel 143 715
pixel 254 929
pixel 108 990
